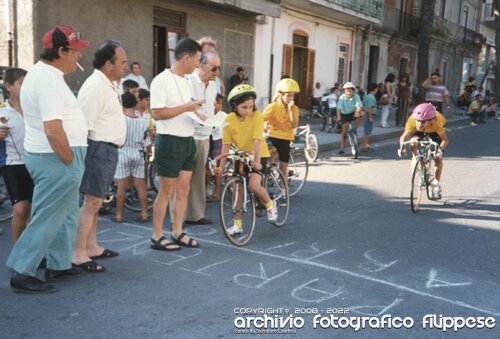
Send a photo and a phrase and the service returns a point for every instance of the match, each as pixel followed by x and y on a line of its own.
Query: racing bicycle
pixel 237 202
pixel 304 135
pixel 423 170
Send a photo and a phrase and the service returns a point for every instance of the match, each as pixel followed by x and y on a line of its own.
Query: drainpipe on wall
pixel 271 60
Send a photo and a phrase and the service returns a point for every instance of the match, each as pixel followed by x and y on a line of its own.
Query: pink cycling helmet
pixel 424 112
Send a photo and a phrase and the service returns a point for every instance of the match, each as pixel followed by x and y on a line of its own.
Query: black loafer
pixel 202 221
pixel 55 274
pixel 32 285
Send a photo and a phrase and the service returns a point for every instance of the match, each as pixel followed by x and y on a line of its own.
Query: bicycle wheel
pixel 417 186
pixel 133 203
pixel 278 191
pixel 153 182
pixel 353 142
pixel 298 167
pixel 5 211
pixel 237 204
pixel 311 147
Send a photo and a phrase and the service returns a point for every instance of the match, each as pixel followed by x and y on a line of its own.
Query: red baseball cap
pixel 62 36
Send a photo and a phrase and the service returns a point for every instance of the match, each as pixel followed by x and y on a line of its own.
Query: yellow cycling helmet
pixel 240 90
pixel 287 85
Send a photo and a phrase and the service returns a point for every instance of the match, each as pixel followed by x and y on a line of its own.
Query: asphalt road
pixel 351 245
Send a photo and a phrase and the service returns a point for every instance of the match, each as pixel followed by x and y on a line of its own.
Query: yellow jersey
pixel 435 126
pixel 243 133
pixel 278 118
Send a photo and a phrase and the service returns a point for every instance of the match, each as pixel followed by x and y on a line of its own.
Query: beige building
pixel 148 29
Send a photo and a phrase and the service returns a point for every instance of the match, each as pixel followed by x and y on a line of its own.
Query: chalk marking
pixel 279 246
pixel 314 250
pixel 384 309
pixel 262 276
pixel 328 295
pixel 374 262
pixel 199 271
pixel 433 282
pixel 180 257
pixel 348 273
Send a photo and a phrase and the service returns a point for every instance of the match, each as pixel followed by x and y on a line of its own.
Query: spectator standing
pixel 135 74
pixel 217 147
pixel 55 146
pixel 175 148
pixel 237 78
pixel 404 92
pixel 476 111
pixel 436 93
pixel 370 107
pixel 99 98
pixel 131 161
pixel 16 177
pixel 317 94
pixel 331 101
pixel 204 88
pixel 386 99
pixel 131 86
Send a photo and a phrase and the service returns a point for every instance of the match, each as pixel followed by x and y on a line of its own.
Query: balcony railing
pixel 372 8
pixel 457 32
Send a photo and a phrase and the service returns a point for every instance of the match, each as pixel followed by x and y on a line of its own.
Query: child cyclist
pixel 349 107
pixel 245 130
pixel 426 121
pixel 282 117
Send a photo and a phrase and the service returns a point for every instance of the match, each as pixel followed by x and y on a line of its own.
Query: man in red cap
pixel 55 146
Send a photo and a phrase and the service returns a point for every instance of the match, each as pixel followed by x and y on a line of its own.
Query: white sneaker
pixel 272 213
pixel 473 124
pixel 235 230
pixel 436 191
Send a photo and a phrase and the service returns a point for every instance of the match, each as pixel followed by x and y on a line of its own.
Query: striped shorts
pixel 130 163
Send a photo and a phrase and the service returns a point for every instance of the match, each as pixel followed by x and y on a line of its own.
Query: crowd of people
pixel 57 150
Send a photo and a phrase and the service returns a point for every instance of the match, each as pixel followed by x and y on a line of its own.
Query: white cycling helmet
pixel 348 85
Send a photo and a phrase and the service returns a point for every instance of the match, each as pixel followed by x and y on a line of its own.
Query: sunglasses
pixel 214 69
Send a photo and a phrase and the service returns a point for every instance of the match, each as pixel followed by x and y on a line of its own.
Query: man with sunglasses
pixel 426 121
pixel 204 88
pixel 55 146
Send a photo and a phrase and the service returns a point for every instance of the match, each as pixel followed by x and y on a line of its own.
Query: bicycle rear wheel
pixel 311 147
pixel 417 186
pixel 353 142
pixel 298 167
pixel 278 191
pixel 133 203
pixel 237 203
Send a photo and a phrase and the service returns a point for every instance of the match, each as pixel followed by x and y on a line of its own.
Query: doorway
pixel 373 65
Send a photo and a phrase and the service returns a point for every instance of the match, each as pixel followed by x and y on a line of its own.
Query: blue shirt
pixel 370 102
pixel 348 105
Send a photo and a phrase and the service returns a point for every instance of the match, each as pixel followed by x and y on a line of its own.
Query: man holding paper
pixel 204 88
pixel 175 149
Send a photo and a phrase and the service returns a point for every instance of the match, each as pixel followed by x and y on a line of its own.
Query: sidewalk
pixel 331 141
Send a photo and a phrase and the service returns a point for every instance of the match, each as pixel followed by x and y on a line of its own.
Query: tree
pixel 497 44
pixel 423 45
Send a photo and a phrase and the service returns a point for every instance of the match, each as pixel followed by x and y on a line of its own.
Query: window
pixel 300 38
pixel 169 27
pixel 443 8
pixel 342 63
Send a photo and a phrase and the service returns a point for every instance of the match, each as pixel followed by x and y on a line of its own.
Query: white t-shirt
pixel 45 96
pixel 100 101
pixel 14 140
pixel 140 79
pixel 170 90
pixel 218 131
pixel 208 93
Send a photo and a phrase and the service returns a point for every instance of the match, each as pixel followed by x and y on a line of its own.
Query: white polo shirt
pixel 207 93
pixel 138 78
pixel 15 139
pixel 100 101
pixel 45 96
pixel 170 90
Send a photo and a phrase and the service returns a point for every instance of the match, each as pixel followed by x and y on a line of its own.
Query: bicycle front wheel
pixel 353 142
pixel 237 204
pixel 298 167
pixel 278 191
pixel 417 186
pixel 311 148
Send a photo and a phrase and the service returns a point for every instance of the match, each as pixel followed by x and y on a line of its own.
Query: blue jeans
pixel 55 211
